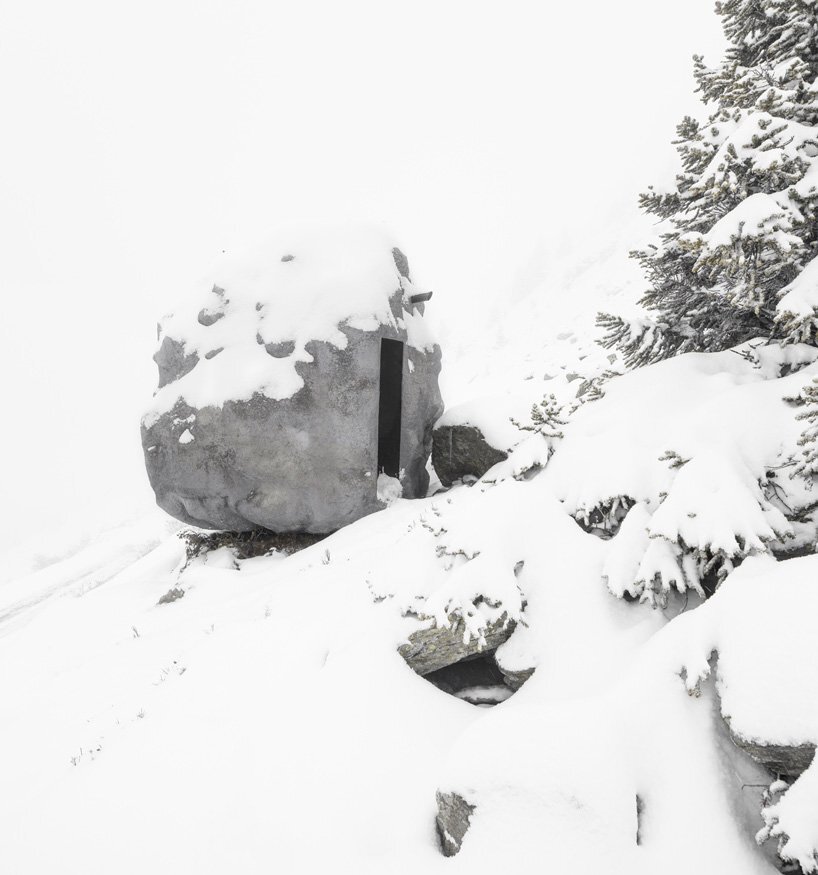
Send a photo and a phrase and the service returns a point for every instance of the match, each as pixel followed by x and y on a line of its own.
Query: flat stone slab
pixel 428 650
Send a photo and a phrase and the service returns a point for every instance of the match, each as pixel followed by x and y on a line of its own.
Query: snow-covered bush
pixel 789 818
pixel 547 417
pixel 696 452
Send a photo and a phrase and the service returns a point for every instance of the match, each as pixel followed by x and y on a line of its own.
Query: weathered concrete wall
pixel 306 463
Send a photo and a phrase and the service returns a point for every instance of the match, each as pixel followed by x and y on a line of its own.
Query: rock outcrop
pixel 463 665
pixel 514 679
pixel 453 820
pixel 436 647
pixel 783 760
pixel 462 452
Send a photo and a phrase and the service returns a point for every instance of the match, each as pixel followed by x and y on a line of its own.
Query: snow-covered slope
pixel 265 721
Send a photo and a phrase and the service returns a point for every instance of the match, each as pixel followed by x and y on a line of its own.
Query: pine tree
pixel 807 466
pixel 741 223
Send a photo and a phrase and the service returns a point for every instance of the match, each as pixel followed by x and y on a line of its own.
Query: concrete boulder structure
pixel 299 392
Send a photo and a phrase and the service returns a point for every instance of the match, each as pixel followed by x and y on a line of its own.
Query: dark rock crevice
pixel 467 669
pixel 477 680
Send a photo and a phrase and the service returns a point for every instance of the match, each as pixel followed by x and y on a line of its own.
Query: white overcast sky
pixel 140 139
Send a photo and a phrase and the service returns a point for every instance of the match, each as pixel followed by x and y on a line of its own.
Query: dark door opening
pixel 389 407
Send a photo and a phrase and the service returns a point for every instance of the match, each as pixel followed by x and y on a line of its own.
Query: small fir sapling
pixel 673 459
pixel 546 419
pixel 788 819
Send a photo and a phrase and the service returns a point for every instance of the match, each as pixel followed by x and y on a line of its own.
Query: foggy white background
pixel 139 140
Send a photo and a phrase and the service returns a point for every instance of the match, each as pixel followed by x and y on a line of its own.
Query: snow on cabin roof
pixel 250 317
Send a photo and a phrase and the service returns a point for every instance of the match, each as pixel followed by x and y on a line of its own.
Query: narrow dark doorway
pixel 389 407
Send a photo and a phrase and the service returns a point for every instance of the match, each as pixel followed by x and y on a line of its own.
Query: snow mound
pixel 283 674
pixel 761 626
pixel 389 489
pixel 760 623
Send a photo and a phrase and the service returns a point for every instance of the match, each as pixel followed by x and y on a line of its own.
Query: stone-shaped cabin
pixel 296 389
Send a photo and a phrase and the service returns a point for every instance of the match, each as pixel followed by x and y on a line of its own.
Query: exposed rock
pixel 209 317
pixel 401 262
pixel 640 813
pixel 428 650
pixel 460 451
pixel 280 350
pixel 514 670
pixel 173 361
pixel 172 595
pixel 453 820
pixel 456 666
pixel 515 679
pixel 788 760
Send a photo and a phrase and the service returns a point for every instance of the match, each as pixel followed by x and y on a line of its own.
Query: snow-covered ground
pixel 265 721
pixel 172 714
